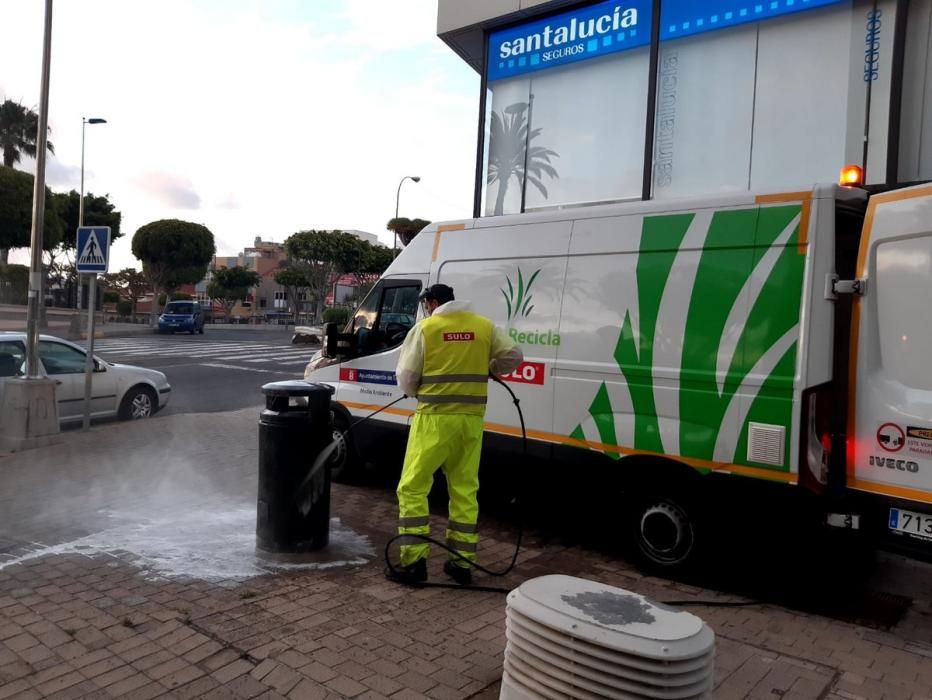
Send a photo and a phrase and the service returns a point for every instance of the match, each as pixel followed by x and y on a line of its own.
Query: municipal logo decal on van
pixel 367 376
pixel 462 337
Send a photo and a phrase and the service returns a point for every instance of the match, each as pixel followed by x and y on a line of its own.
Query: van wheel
pixel 139 402
pixel 667 529
pixel 345 466
pixel 201 330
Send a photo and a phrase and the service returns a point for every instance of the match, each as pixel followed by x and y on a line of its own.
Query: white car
pixel 124 390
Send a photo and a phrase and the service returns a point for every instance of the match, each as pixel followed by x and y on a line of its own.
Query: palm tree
pixel 511 154
pixel 19 127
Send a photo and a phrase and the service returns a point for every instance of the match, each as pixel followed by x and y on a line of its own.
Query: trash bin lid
pixel 295 387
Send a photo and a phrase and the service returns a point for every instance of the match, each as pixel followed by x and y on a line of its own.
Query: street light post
pixel 414 178
pixel 84 123
pixel 28 405
pixel 38 208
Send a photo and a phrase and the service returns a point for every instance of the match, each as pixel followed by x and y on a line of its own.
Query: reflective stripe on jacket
pixel 457 350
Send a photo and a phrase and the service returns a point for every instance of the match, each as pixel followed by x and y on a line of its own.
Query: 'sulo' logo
pixel 459 337
pixel 518 299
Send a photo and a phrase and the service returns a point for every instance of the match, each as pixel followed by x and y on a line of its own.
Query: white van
pixel 781 337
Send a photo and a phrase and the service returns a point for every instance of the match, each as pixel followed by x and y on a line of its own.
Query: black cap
pixel 440 293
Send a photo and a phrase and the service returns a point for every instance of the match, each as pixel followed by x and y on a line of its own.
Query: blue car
pixel 182 316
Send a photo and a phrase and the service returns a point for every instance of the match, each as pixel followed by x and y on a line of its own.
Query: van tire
pixel 667 528
pixel 345 465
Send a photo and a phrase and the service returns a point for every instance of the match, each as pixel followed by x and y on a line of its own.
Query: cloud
pixel 172 191
pixel 380 26
pixel 58 175
pixel 61 176
pixel 230 201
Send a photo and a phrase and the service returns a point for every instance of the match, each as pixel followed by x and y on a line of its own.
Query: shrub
pixel 337 315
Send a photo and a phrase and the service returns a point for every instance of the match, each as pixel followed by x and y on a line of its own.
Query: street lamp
pixel 415 178
pixel 84 123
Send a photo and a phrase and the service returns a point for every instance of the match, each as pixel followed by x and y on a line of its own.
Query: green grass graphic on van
pixel 709 345
pixel 518 298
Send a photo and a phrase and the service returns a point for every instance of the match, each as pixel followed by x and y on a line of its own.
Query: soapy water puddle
pixel 198 544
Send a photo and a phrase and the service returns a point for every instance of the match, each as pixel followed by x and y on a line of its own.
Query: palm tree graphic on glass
pixel 512 155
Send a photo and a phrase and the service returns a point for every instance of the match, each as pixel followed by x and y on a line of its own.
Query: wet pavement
pixel 128 569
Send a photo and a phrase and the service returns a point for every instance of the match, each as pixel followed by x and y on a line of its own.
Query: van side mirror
pixel 338 345
pixel 331 337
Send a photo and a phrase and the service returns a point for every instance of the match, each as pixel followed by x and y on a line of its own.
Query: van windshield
pixel 180 309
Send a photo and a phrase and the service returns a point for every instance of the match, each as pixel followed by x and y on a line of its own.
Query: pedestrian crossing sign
pixel 93 249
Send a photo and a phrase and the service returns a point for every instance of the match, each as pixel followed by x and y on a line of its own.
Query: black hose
pixel 514 558
pixel 425 538
pixel 372 415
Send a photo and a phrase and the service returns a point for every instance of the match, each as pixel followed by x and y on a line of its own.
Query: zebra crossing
pixel 256 355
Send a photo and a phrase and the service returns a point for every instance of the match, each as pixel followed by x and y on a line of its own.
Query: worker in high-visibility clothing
pixel 445 362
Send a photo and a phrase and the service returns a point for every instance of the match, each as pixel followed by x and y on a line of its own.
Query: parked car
pixel 182 316
pixel 122 390
pixel 306 335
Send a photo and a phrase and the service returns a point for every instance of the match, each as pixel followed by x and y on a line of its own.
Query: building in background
pixel 600 102
pixel 270 301
pixel 265 301
pixel 369 238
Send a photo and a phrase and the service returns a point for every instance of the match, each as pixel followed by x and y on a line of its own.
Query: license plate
pixel 911 523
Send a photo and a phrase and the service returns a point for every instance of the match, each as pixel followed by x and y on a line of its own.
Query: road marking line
pixel 264 356
pixel 199 352
pixel 282 356
pixel 244 369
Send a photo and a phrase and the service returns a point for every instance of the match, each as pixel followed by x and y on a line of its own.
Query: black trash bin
pixel 294 429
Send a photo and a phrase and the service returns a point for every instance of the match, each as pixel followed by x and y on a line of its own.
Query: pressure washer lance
pixel 305 492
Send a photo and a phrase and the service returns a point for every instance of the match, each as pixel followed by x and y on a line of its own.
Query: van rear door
pixel 890 420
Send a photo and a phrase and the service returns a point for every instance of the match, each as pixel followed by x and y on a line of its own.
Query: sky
pixel 252 117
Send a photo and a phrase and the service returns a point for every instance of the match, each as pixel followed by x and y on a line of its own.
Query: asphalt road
pixel 222 370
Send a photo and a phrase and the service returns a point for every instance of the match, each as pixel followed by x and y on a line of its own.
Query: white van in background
pixel 781 337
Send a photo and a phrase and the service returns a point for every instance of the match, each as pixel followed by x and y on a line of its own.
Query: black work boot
pixel 411 574
pixel 461 574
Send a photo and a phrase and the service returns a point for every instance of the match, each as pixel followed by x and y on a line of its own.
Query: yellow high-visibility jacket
pixel 446 358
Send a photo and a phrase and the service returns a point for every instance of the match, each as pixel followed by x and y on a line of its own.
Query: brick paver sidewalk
pixel 100 623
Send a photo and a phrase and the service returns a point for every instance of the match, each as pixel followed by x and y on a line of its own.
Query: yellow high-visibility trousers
pixel 453 443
